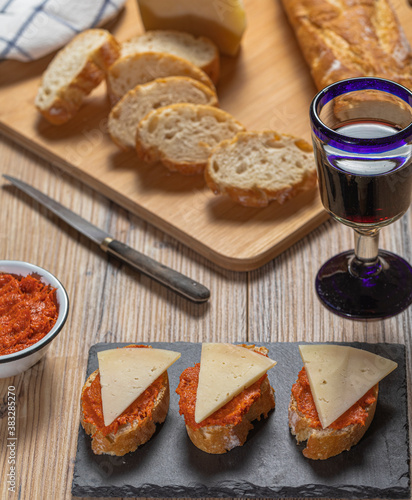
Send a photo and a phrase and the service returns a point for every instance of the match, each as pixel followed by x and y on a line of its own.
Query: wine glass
pixel 362 137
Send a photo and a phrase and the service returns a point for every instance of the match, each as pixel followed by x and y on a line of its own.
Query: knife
pixel 177 282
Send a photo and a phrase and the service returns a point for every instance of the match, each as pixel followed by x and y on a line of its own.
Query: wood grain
pixel 109 302
pixel 266 86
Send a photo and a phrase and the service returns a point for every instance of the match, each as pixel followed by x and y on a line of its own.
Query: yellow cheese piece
pixel 126 373
pixel 340 375
pixel 222 21
pixel 225 371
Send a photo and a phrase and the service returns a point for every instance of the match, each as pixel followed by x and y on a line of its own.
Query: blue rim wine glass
pixel 362 138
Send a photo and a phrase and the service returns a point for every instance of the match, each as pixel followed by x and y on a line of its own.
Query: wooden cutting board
pixel 267 85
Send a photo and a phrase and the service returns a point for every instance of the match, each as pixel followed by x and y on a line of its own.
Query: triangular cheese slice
pixel 126 373
pixel 340 375
pixel 225 371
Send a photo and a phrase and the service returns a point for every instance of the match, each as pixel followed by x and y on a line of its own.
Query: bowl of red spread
pixel 33 309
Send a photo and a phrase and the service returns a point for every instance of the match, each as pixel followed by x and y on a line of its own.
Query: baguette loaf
pixel 254 168
pixel 200 51
pixel 325 443
pixel 129 436
pixel 181 136
pixel 138 102
pixel 74 72
pixel 135 69
pixel 351 38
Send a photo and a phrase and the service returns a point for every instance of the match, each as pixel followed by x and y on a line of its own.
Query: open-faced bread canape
pixel 334 399
pixel 224 393
pixel 124 399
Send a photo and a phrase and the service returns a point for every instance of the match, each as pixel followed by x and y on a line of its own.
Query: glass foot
pixel 380 291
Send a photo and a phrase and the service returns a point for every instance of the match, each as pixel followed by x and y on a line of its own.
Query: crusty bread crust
pixel 350 38
pixel 131 435
pixel 220 439
pixel 59 102
pixel 325 443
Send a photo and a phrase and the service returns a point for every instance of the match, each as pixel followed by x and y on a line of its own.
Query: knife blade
pixel 164 275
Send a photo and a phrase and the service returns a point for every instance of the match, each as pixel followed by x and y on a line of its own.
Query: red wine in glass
pixel 362 136
pixel 362 190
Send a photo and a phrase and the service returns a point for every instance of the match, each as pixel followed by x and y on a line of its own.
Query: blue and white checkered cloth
pixel 30 29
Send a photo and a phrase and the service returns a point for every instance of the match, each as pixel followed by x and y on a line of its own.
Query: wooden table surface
pixel 110 302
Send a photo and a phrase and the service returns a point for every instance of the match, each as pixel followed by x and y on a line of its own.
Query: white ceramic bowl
pixel 18 362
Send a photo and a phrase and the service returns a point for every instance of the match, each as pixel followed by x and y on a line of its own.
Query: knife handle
pixel 179 283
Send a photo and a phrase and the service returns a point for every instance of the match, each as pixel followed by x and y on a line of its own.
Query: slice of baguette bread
pixel 133 434
pixel 254 168
pixel 220 439
pixel 74 72
pixel 138 102
pixel 181 136
pixel 325 443
pixel 200 51
pixel 135 69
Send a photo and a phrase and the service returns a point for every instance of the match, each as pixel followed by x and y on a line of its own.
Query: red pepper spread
pixel 140 409
pixel 28 311
pixel 306 405
pixel 231 413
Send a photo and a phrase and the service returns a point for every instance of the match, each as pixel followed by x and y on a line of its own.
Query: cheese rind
pixel 225 371
pixel 126 373
pixel 340 375
pixel 224 22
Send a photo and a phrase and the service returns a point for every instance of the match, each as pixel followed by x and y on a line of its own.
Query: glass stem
pixel 365 263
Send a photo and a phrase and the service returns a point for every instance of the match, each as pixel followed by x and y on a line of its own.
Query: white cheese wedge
pixel 340 375
pixel 126 373
pixel 222 21
pixel 225 371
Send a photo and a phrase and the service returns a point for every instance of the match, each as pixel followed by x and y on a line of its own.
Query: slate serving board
pixel 270 464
